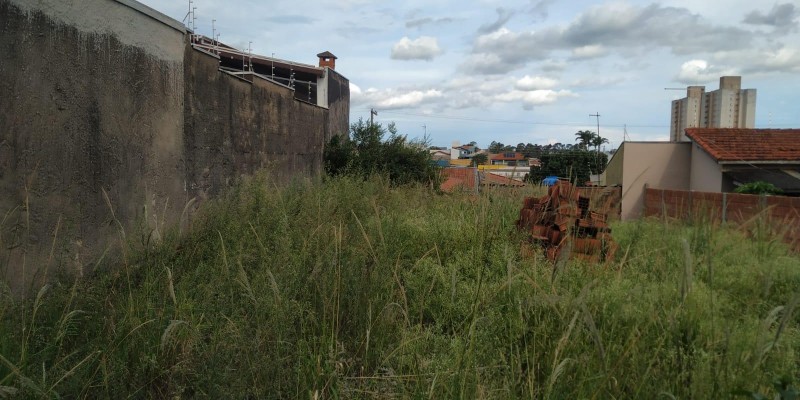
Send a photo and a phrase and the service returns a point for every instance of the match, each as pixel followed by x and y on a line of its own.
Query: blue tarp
pixel 549 180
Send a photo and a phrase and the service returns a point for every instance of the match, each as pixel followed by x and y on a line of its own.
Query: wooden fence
pixel 781 211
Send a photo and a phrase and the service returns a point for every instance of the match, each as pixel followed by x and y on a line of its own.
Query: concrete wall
pixel 84 112
pixel 338 104
pixel 662 165
pixel 110 122
pixel 235 127
pixel 706 175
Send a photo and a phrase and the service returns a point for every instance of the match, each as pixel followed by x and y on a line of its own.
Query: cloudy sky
pixel 526 70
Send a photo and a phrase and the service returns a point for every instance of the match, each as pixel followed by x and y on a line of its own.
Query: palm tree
pixel 598 141
pixel 585 138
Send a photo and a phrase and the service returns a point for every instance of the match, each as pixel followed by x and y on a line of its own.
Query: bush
pixel 366 152
pixel 758 187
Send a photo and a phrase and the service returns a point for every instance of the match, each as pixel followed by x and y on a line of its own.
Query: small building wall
pixel 706 175
pixel 653 164
pixel 612 176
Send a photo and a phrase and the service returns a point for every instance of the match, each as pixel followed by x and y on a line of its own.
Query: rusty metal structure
pixel 563 224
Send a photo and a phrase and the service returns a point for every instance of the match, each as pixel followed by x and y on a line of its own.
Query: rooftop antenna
pixel 214 34
pixel 250 56
pixel 194 18
pixel 625 133
pixel 188 14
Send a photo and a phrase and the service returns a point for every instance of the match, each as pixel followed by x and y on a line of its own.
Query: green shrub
pixel 758 187
pixel 368 151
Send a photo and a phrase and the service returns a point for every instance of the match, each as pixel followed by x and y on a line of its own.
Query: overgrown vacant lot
pixel 352 289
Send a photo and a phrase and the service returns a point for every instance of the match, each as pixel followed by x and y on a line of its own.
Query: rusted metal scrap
pixel 561 222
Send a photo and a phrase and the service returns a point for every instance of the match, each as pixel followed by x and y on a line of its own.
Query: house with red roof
pixel 725 158
pixel 713 160
pixel 511 159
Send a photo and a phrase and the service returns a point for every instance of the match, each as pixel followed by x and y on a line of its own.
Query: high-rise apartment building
pixel 730 106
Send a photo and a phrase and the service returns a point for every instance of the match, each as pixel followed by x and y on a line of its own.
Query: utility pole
pixel 597 114
pixel 372 113
pixel 425 127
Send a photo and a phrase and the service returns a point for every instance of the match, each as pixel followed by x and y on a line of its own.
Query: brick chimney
pixel 327 59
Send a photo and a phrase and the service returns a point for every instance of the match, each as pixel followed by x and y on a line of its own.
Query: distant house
pixel 713 160
pixel 463 152
pixel 511 159
pixel 440 157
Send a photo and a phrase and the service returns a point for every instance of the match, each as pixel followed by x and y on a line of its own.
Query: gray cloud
pixel 503 16
pixel 600 30
pixel 622 25
pixel 781 16
pixel 422 22
pixel 539 9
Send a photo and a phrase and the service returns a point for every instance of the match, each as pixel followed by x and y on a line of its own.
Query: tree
pixel 575 165
pixel 479 159
pixel 585 138
pixel 598 141
pixel 520 147
pixel 496 147
pixel 366 152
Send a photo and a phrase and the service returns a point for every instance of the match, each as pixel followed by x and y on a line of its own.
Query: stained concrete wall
pixel 235 127
pixel 110 121
pixel 338 103
pixel 83 112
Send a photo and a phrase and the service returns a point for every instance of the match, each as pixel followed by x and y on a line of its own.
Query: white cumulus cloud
pixel 528 83
pixel 700 71
pixel 423 48
pixel 529 99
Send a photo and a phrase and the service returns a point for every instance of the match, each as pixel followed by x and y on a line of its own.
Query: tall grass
pixel 356 289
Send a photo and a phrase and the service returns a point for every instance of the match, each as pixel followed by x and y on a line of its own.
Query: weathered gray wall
pixel 100 98
pixel 235 127
pixel 338 103
pixel 83 112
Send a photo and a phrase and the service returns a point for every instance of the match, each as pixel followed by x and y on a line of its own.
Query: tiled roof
pixel 735 144
pixel 454 178
pixel 464 178
pixel 496 179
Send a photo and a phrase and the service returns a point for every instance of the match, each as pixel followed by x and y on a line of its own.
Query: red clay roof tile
pixel 736 144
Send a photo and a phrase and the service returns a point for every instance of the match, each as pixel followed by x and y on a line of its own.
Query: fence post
pixel 724 207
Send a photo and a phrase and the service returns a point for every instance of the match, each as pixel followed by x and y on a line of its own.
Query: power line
pixel 505 121
pixel 521 122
